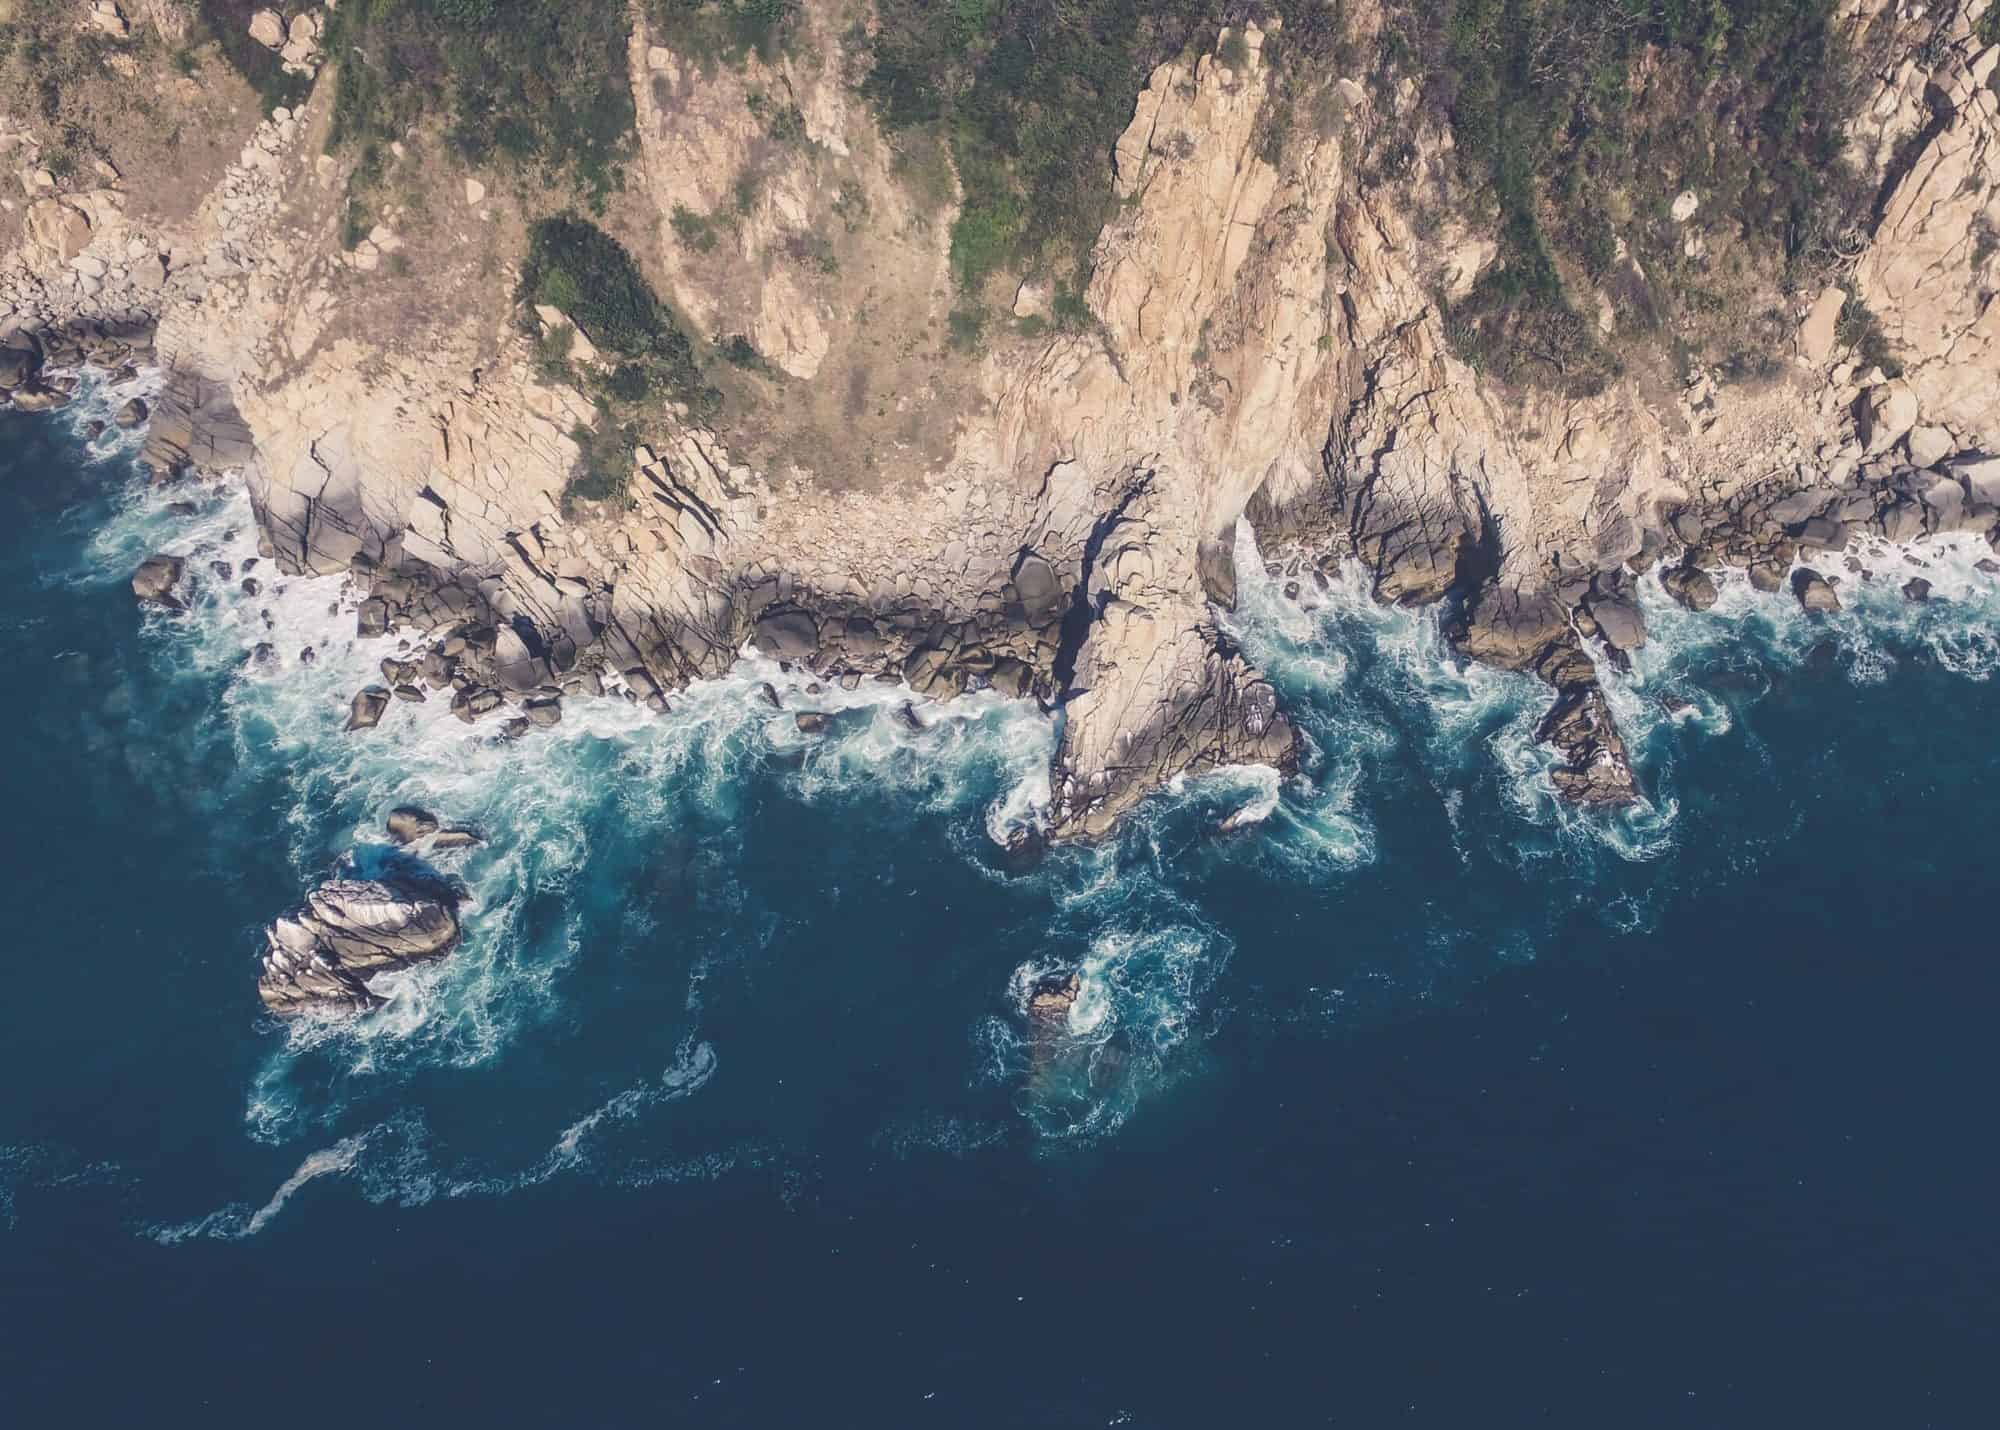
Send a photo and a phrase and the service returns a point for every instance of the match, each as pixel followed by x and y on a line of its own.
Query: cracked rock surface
pixel 1265 342
pixel 319 957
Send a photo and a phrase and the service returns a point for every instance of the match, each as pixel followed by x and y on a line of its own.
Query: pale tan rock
pixel 1816 334
pixel 475 192
pixel 1929 446
pixel 267 28
pixel 107 19
pixel 1891 409
pixel 1031 299
pixel 1684 205
pixel 61 230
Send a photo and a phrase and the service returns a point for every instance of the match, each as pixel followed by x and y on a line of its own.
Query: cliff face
pixel 1051 515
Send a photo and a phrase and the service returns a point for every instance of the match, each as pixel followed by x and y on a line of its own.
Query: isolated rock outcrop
pixel 156 579
pixel 320 957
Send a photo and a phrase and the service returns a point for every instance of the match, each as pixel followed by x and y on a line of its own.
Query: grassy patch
pixel 696 232
pixel 604 460
pixel 1031 97
pixel 577 267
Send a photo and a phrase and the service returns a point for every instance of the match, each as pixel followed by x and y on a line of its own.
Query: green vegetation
pixel 604 464
pixel 1741 100
pixel 1989 25
pixel 1858 328
pixel 708 31
pixel 1744 104
pixel 577 267
pixel 695 231
pixel 532 82
pixel 1031 96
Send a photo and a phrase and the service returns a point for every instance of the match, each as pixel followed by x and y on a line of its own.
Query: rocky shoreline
pixel 1022 641
pixel 1267 338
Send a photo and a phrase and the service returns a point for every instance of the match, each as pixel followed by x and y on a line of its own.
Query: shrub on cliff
pixel 577 267
pixel 535 82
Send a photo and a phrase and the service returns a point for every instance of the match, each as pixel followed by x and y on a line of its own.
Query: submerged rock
pixel 456 839
pixel 1917 589
pixel 810 722
pixel 408 823
pixel 318 957
pixel 1052 996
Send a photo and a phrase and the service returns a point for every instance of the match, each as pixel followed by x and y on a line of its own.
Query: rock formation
pixel 1261 337
pixel 320 957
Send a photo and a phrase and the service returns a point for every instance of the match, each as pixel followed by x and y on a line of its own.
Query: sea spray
pixel 618 900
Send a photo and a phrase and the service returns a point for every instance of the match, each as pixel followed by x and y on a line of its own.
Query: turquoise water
pixel 1419 1096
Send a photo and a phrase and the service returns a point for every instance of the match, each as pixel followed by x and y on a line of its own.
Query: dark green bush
pixel 604 464
pixel 731 30
pixel 577 267
pixel 532 81
pixel 1537 95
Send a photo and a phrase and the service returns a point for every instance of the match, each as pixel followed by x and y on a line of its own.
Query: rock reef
pixel 319 957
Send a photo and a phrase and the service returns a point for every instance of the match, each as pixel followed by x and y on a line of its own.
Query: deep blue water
pixel 1421 1101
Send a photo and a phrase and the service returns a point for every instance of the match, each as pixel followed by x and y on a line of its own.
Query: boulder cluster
pixel 38 365
pixel 1766 530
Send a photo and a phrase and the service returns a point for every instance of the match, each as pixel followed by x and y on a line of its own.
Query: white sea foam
pixel 1363 682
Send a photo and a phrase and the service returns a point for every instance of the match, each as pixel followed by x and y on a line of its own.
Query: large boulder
pixel 19 362
pixel 1041 592
pixel 365 713
pixel 1815 593
pixel 1619 621
pixel 788 634
pixel 131 414
pixel 1512 626
pixel 1215 562
pixel 156 578
pixel 1887 411
pixel 60 229
pixel 1981 475
pixel 267 28
pixel 319 957
pixel 1690 585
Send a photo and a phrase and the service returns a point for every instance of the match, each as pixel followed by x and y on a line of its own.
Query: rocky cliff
pixel 1049 511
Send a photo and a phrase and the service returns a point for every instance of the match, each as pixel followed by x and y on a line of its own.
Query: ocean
pixel 1417 1099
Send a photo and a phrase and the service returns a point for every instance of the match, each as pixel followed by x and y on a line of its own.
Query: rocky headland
pixel 1263 331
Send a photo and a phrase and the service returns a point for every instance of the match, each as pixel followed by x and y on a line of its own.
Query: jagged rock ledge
pixel 319 957
pixel 1443 551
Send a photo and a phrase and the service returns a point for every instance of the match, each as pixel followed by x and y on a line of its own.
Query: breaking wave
pixel 646 888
